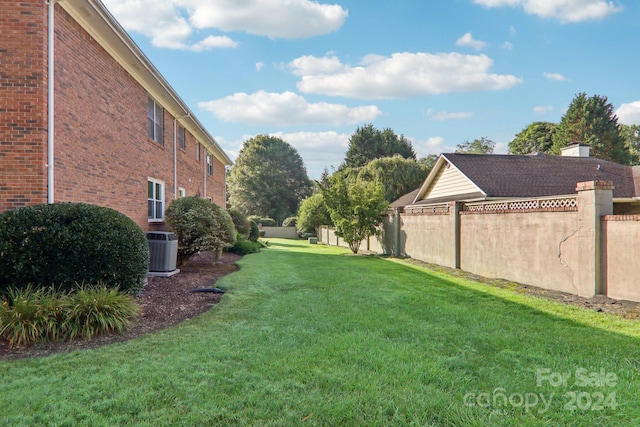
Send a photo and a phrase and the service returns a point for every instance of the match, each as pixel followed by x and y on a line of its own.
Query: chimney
pixel 575 150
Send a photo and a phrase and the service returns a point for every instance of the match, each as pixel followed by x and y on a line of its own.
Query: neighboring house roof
pixel 491 176
pixel 103 27
pixel 404 200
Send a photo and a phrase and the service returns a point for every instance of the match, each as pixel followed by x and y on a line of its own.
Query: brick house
pixel 107 129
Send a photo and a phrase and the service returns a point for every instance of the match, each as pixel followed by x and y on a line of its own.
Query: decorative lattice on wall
pixel 568 203
pixel 441 209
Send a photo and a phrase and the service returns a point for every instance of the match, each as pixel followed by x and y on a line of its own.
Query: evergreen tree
pixel 592 121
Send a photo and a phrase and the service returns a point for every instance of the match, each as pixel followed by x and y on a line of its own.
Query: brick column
pixel 595 199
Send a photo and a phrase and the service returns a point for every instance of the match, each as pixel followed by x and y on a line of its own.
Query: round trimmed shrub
pixel 199 225
pixel 70 244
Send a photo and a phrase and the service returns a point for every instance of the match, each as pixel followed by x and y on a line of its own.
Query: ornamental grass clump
pixel 31 315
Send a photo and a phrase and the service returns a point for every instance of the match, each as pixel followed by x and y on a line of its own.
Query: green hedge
pixel 67 244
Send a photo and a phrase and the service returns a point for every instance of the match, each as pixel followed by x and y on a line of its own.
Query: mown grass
pixel 309 335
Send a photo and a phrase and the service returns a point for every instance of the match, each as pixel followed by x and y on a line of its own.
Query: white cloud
pixel 259 65
pixel 468 40
pixel 171 23
pixel 445 115
pixel 285 109
pixel 542 109
pixel 402 75
pixel 288 19
pixel 563 10
pixel 555 77
pixel 433 145
pixel 629 114
pixel 507 45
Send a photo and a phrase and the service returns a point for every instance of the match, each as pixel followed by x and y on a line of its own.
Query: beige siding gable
pixel 449 181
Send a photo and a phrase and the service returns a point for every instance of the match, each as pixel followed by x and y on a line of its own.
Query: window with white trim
pixel 181 193
pixel 209 164
pixel 154 121
pixel 197 151
pixel 155 200
pixel 182 143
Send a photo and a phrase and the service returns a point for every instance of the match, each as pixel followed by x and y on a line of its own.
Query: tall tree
pixel 369 143
pixel 591 121
pixel 312 214
pixel 397 174
pixel 355 207
pixel 478 146
pixel 535 138
pixel 269 179
pixel 631 136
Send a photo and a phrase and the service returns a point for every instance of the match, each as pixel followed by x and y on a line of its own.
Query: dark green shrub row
pixel 266 222
pixel 31 315
pixel 245 247
pixel 64 244
pixel 240 222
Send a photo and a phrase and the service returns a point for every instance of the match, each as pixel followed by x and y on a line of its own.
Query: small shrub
pixel 290 222
pixel 199 225
pixel 63 244
pixel 254 235
pixel 31 315
pixel 245 247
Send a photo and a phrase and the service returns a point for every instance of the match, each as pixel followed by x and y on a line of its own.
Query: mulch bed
pixel 164 302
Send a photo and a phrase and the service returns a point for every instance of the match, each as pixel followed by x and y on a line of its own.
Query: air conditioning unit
pixel 163 251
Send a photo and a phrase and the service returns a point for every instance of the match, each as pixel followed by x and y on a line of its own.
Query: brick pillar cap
pixel 594 185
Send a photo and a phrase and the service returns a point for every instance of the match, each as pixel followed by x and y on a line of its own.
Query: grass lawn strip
pixel 308 335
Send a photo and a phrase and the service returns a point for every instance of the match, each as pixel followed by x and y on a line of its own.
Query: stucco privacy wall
pixel 568 243
pixel 534 248
pixel 428 237
pixel 623 256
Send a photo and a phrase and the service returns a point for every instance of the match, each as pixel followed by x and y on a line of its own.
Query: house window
pixel 154 121
pixel 209 164
pixel 155 200
pixel 181 193
pixel 181 138
pixel 197 151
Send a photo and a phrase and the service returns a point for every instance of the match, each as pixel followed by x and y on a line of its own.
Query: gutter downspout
pixel 50 109
pixel 175 154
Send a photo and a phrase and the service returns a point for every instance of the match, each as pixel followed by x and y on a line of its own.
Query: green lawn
pixel 309 335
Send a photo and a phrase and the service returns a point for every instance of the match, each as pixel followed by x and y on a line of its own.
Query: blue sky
pixel 437 71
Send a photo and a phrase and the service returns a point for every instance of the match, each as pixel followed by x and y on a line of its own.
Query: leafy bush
pixel 245 247
pixel 290 222
pixel 64 244
pixel 254 234
pixel 240 222
pixel 199 225
pixel 32 315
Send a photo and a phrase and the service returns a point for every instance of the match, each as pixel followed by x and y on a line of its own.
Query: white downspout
pixel 175 154
pixel 204 174
pixel 50 109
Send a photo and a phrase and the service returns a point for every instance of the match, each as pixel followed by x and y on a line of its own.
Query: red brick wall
pixel 103 153
pixel 23 108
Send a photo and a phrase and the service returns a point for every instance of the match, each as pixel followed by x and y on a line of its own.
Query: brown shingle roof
pixel 541 174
